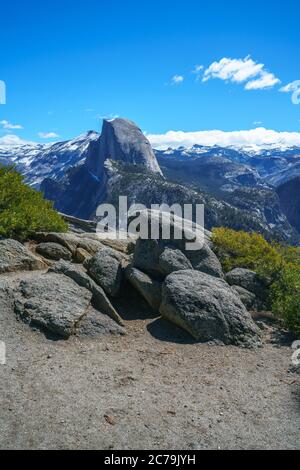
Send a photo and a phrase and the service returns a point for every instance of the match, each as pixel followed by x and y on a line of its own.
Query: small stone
pixel 110 420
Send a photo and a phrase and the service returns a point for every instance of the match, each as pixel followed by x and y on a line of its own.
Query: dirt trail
pixel 151 389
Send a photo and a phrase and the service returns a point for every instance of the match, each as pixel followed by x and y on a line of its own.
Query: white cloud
pixel 9 125
pixel 266 80
pixel 177 79
pixel 254 138
pixel 241 71
pixel 11 140
pixel 48 135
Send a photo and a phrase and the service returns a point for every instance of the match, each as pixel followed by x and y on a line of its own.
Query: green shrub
pixel 281 264
pixel 285 293
pixel 23 210
pixel 247 250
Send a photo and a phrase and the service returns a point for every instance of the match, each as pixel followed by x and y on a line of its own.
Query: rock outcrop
pixel 61 306
pixel 84 187
pixel 99 299
pixel 148 288
pixel 249 299
pixel 16 257
pixel 89 242
pixel 53 251
pixel 106 269
pixel 162 256
pixel 172 259
pixel 122 140
pixel 250 281
pixel 53 302
pixel 175 271
pixel 289 195
pixel 207 308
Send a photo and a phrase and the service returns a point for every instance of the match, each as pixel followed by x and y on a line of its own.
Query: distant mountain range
pixel 241 188
pixel 39 161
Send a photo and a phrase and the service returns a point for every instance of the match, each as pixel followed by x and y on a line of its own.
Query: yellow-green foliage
pixel 285 293
pixel 247 250
pixel 279 263
pixel 24 210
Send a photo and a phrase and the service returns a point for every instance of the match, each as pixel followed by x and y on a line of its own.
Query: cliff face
pixel 289 195
pixel 78 194
pixel 83 188
pixel 122 140
pixel 246 209
pixel 122 162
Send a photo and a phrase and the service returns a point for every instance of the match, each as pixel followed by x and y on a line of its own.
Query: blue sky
pixel 66 64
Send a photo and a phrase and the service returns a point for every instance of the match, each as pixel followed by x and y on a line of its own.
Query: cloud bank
pixel 254 138
pixel 11 140
pixel 259 138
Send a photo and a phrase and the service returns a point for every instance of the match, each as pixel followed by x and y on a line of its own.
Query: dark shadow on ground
pixel 278 335
pixel 48 334
pixel 131 306
pixel 163 330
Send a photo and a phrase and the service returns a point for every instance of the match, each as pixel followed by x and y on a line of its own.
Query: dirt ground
pixel 151 389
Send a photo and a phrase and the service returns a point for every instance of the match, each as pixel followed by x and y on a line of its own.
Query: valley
pixel 240 188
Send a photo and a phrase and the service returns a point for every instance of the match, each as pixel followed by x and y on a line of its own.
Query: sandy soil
pixel 151 389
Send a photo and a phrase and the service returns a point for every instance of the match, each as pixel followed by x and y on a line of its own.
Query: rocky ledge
pixel 68 283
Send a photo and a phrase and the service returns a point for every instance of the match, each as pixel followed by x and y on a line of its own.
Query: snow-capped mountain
pixel 267 167
pixel 39 161
pixel 240 185
pixel 211 165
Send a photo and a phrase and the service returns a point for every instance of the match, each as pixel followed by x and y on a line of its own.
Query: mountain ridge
pixel 73 174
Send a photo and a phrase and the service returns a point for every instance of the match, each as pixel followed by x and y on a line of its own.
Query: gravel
pixel 151 389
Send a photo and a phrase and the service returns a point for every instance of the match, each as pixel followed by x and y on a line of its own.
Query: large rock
pixel 16 257
pixel 67 240
pixel 172 259
pixel 207 308
pixel 248 298
pixel 158 258
pixel 206 261
pixel 95 324
pixel 179 230
pixel 106 269
pixel 89 245
pixel 126 246
pixel 147 287
pixel 163 255
pixel 99 299
pixel 81 255
pixel 53 302
pixel 250 281
pixel 53 251
pixel 71 241
pixel 123 141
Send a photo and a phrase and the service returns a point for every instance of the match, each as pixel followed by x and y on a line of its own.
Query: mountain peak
pixel 122 140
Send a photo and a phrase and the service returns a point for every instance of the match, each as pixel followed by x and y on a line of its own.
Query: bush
pixel 285 294
pixel 23 210
pixel 281 264
pixel 246 250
